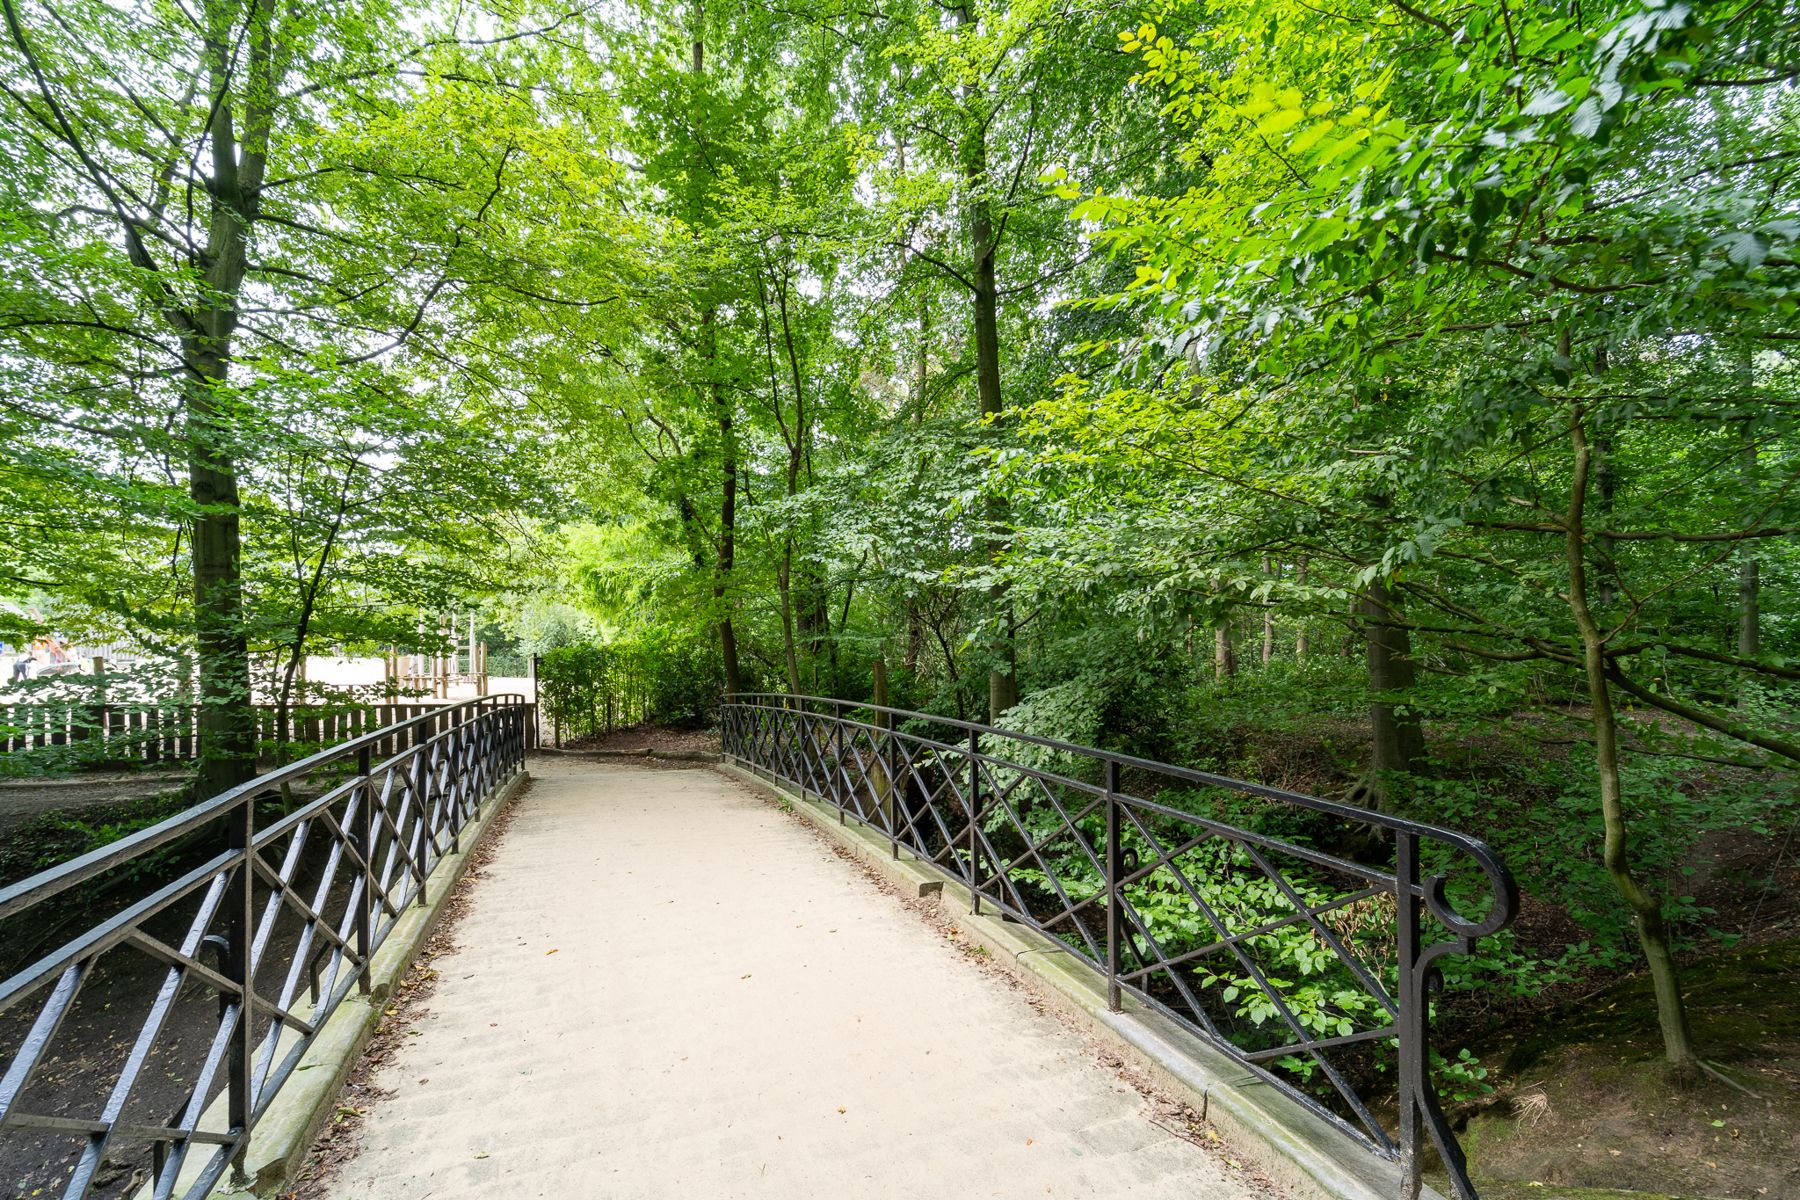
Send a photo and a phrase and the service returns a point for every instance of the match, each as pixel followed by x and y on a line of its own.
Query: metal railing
pixel 1302 936
pixel 158 1036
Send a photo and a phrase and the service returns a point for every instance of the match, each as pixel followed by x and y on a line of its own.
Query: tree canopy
pixel 1160 376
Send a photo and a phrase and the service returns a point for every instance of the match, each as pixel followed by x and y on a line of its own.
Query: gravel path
pixel 665 987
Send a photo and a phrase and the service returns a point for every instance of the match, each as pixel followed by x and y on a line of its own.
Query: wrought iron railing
pixel 1302 936
pixel 143 1050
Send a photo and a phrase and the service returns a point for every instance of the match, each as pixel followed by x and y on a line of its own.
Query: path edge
pixel 1301 1152
pixel 283 1137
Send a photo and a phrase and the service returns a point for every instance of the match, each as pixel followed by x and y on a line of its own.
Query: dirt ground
pixel 1587 1105
pixel 650 737
pixel 23 799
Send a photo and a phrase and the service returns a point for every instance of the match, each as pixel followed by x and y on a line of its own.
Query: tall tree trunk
pixel 784 586
pixel 1225 662
pixel 724 414
pixel 810 618
pixel 1749 630
pixel 1268 618
pixel 1300 639
pixel 1653 933
pixel 1003 688
pixel 727 560
pixel 226 722
pixel 1606 482
pixel 915 636
pixel 1395 739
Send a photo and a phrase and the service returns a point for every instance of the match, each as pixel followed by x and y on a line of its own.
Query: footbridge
pixel 868 953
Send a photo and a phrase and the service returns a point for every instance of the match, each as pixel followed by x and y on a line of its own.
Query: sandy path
pixel 666 988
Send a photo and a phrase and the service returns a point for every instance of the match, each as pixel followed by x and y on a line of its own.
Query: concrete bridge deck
pixel 665 987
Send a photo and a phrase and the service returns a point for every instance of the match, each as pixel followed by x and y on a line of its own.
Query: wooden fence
pixel 165 733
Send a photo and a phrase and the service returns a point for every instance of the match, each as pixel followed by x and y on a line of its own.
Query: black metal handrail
pixel 1305 963
pixel 301 904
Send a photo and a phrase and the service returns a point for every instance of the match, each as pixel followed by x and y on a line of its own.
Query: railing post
pixel 837 760
pixel 458 736
pixel 974 823
pixel 421 825
pixel 1411 1019
pixel 240 923
pixel 896 796
pixel 1114 902
pixel 362 839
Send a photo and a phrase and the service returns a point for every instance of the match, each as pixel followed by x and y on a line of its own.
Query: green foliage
pixel 547 625
pixel 1250 386
pixel 591 689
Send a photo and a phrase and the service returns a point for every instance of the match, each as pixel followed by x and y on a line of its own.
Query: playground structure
pixel 436 673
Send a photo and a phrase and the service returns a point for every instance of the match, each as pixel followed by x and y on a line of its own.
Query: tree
pixel 1499 209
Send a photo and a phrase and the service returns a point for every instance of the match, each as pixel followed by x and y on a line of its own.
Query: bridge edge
pixel 285 1133
pixel 1295 1148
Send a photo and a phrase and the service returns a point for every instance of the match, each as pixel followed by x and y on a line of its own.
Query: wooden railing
pixel 165 733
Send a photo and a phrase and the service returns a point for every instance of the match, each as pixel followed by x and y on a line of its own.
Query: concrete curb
pixel 1302 1153
pixel 286 1131
pixel 700 756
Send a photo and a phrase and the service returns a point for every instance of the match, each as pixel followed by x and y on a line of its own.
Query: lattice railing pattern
pixel 140 1052
pixel 1308 957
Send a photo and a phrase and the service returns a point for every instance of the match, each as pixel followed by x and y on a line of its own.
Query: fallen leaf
pixel 481 1154
pixel 548 953
pixel 842 1110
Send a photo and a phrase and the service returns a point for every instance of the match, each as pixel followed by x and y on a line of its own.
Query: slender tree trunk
pixel 723 412
pixel 1225 663
pixel 1606 481
pixel 1749 628
pixel 915 620
pixel 1300 639
pixel 1653 933
pixel 1268 618
pixel 915 636
pixel 784 573
pixel 808 619
pixel 309 600
pixel 727 561
pixel 1003 688
pixel 1395 739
